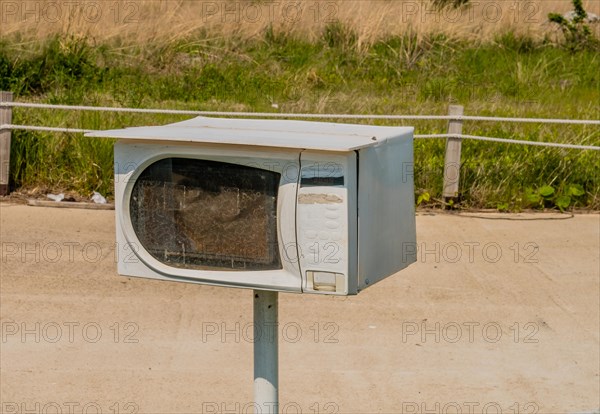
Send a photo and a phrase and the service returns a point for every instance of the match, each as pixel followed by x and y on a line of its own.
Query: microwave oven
pixel 291 206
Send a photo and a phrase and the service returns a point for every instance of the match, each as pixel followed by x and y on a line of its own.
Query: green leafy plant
pixel 548 196
pixel 423 197
pixel 578 35
pixel 563 202
pixel 504 207
pixel 546 191
pixel 570 197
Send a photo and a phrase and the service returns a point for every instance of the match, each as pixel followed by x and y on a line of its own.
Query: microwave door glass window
pixel 207 215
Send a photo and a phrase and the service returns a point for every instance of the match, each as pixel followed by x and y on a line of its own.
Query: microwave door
pixel 214 218
pixel 286 219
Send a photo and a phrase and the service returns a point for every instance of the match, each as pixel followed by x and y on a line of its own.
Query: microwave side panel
pixel 386 209
pixel 131 158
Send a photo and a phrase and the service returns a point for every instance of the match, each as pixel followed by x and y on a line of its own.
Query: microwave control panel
pixel 326 222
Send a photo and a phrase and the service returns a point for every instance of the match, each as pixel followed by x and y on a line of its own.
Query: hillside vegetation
pixel 360 62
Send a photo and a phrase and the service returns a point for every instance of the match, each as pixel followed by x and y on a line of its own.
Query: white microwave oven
pixel 292 206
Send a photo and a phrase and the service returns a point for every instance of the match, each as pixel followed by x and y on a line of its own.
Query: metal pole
pixel 266 353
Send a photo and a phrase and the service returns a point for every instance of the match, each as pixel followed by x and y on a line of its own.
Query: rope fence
pixel 298 115
pixel 454 137
pixel 45 129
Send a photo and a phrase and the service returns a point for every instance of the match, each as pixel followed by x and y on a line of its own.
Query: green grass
pixel 512 76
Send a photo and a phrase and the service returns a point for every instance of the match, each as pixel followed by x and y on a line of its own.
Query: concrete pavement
pixel 501 313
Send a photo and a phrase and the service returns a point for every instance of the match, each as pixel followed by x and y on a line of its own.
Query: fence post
pixel 5 118
pixel 452 159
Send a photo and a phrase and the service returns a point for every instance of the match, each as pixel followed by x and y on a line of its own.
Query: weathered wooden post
pixel 452 160
pixel 5 118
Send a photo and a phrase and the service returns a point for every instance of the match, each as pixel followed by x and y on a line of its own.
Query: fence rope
pixel 423 136
pixel 512 141
pixel 46 129
pixel 293 115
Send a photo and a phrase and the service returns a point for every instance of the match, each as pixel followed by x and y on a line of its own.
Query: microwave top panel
pixel 322 136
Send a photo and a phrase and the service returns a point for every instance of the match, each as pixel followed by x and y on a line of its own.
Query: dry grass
pixel 132 22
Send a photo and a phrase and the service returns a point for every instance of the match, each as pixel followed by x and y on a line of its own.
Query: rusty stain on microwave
pixel 319 199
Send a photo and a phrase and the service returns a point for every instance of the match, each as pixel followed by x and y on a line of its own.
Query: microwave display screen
pixel 207 215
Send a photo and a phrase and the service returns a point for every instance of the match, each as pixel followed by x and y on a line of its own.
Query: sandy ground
pixel 498 315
